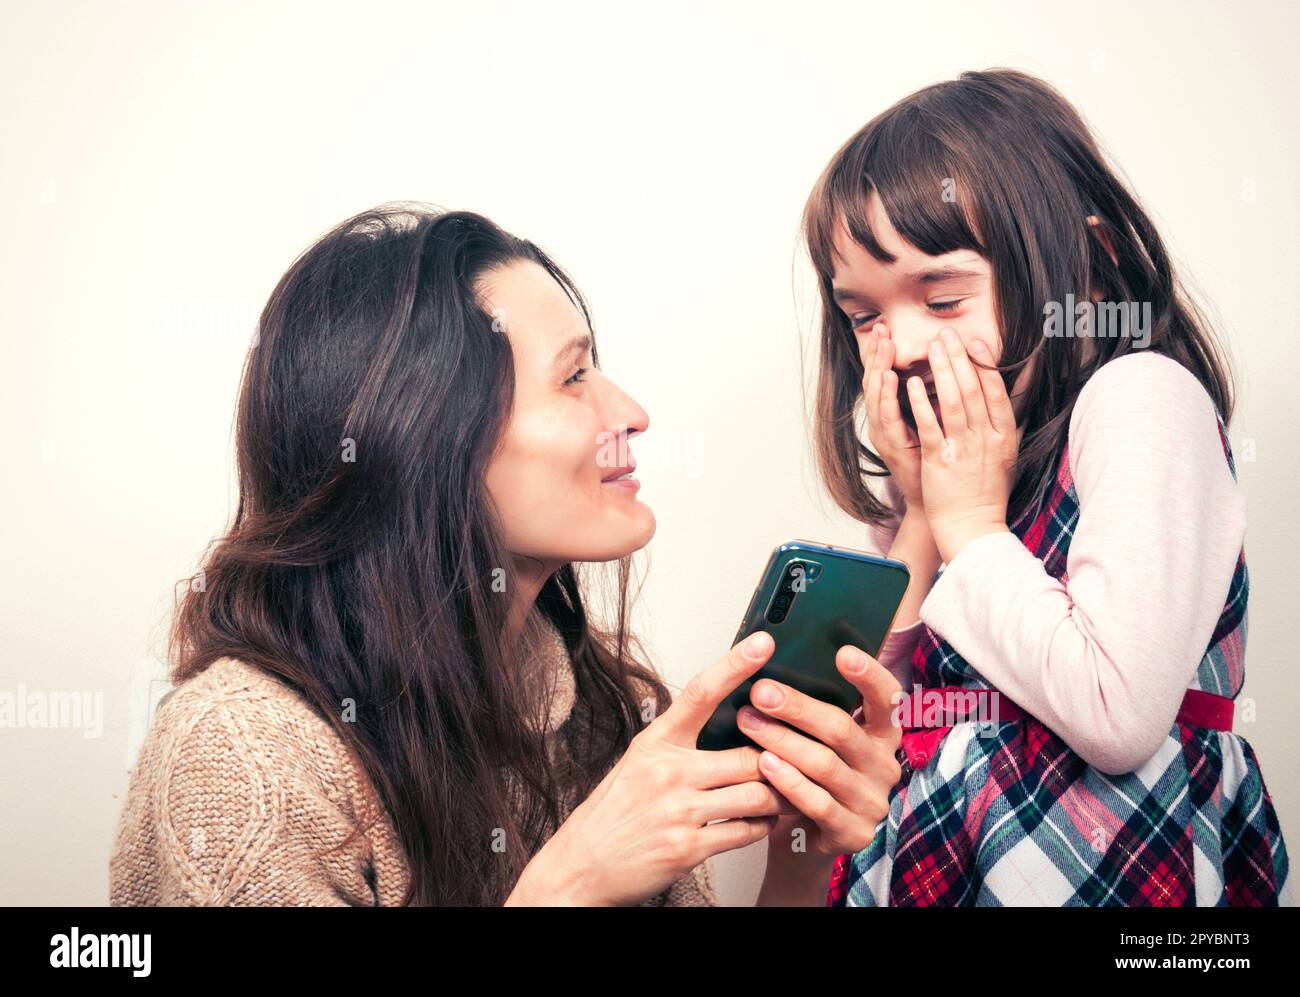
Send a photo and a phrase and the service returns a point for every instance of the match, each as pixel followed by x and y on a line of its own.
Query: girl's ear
pixel 1094 223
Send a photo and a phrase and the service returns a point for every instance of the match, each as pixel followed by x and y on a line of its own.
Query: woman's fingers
pixel 750 799
pixel 682 722
pixel 968 382
pixel 729 834
pixel 728 767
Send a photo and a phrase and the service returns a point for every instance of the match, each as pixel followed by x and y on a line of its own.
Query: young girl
pixel 1059 479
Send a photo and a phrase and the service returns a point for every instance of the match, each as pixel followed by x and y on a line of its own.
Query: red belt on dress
pixel 1199 709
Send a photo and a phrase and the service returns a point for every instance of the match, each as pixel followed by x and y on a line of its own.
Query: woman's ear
pixel 1094 223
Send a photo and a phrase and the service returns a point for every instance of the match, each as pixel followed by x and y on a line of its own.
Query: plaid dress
pixel 1005 813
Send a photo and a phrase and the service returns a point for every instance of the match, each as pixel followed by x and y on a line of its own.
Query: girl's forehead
pixel 858 273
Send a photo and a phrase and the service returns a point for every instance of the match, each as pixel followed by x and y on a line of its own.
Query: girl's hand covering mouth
pixel 967 464
pixel 894 440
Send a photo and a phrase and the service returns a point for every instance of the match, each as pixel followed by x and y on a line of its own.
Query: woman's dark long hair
pixel 1025 173
pixel 361 562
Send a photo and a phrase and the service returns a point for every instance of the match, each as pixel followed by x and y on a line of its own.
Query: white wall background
pixel 161 164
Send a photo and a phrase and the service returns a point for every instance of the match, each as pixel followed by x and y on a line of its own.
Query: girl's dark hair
pixel 1025 173
pixel 359 568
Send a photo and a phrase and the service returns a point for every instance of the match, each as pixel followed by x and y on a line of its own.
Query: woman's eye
pixel 577 376
pixel 856 321
pixel 946 306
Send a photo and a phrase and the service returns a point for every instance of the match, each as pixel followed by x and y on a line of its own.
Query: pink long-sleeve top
pixel 1105 659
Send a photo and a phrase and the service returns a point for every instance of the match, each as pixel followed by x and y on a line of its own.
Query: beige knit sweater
pixel 241 789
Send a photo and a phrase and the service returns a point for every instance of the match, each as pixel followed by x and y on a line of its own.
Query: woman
pixel 390 689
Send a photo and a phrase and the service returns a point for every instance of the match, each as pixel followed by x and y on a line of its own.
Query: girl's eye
pixel 856 321
pixel 946 306
pixel 577 376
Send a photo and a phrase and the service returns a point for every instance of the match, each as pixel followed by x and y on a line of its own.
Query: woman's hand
pixel 967 464
pixel 840 782
pixel 646 824
pixel 893 438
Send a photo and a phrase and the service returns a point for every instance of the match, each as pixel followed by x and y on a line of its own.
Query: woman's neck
pixel 529 576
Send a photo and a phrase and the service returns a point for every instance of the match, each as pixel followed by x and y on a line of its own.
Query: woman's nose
pixel 623 410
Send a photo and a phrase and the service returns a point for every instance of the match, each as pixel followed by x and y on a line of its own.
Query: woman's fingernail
pixel 767 694
pixel 979 347
pixel 758 644
pixel 948 335
pixel 935 347
pixel 752 720
pixel 857 662
pixel 770 762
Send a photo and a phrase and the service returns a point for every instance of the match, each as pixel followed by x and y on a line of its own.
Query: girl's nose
pixel 911 343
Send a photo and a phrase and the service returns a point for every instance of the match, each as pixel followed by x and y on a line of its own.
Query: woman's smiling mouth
pixel 621 477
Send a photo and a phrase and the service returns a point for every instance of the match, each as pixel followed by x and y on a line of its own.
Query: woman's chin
pixel 642 530
pixel 638 532
pixel 616 537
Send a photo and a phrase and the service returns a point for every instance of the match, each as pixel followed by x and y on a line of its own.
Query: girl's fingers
pixel 869 347
pixel 945 383
pixel 891 414
pixel 866 347
pixel 842 738
pixel 927 426
pixel 868 341
pixel 968 382
pixel 816 762
pixel 813 801
pixel 879 688
pixel 1002 416
pixel 873 378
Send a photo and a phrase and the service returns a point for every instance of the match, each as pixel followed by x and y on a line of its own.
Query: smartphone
pixel 813 599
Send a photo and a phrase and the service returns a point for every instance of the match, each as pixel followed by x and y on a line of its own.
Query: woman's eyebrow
pixel 578 344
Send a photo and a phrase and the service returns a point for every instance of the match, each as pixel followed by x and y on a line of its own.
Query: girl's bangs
pixel 921 191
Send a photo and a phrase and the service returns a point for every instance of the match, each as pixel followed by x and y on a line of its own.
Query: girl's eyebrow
pixel 937 275
pixel 929 275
